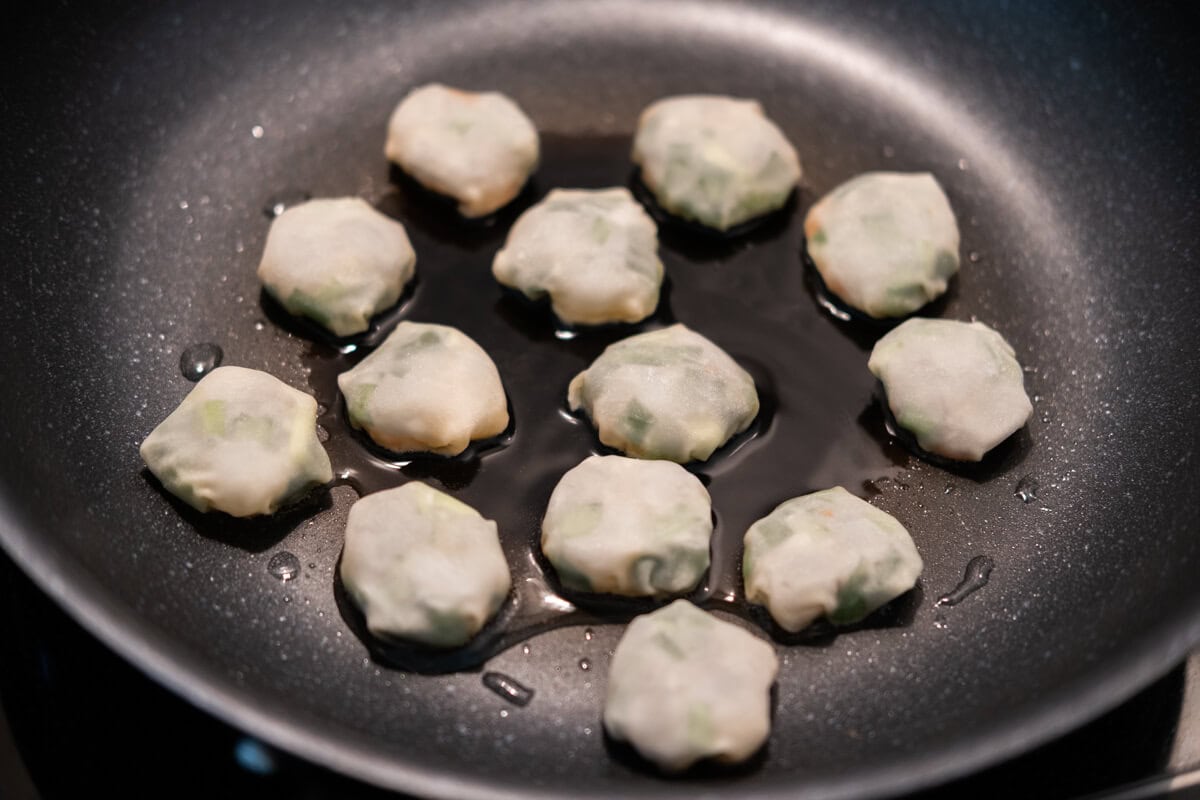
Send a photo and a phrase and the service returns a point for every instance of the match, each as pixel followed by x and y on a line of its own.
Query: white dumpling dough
pixel 956 386
pixel 423 566
pixel 426 388
pixel 477 147
pixel 716 160
pixel 242 442
pixel 627 526
pixel 336 261
pixel 886 243
pixel 595 252
pixel 827 554
pixel 685 686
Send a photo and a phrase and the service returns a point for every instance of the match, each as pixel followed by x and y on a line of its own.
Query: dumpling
pixel 426 388
pixel 242 442
pixel 716 160
pixel 669 393
pixel 595 252
pixel 685 685
pixel 477 147
pixel 827 554
pixel 337 262
pixel 885 243
pixel 630 527
pixel 955 386
pixel 423 566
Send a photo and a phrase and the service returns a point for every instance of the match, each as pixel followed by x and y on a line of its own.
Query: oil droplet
pixel 979 569
pixel 284 199
pixel 963 165
pixel 584 664
pixel 588 634
pixel 257 131
pixel 525 649
pixel 508 688
pixel 284 566
pixel 1027 489
pixel 199 360
pixel 973 257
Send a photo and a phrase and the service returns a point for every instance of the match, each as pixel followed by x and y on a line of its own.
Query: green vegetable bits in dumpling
pixel 627 526
pixel 669 393
pixel 885 243
pixel 242 442
pixel 685 685
pixel 595 252
pixel 423 566
pixel 337 262
pixel 716 160
pixel 477 147
pixel 956 386
pixel 827 554
pixel 426 388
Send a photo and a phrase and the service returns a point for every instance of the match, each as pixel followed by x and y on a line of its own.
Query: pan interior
pixel 221 117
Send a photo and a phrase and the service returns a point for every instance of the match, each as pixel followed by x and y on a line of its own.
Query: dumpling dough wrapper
pixel 242 442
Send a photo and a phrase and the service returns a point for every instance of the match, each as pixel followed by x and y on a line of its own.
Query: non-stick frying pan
pixel 144 144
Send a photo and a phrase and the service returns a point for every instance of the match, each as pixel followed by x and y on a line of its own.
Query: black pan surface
pixel 143 145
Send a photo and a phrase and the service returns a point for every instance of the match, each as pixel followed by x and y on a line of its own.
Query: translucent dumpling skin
pixel 242 442
pixel 827 554
pixel 669 394
pixel 955 386
pixel 628 526
pixel 594 252
pixel 337 262
pixel 718 161
pixel 423 566
pixel 426 388
pixel 685 685
pixel 477 147
pixel 886 243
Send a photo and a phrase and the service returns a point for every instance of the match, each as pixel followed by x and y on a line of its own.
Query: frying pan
pixel 143 143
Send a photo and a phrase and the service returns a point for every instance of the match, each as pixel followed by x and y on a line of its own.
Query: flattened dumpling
pixel 595 252
pixel 627 526
pixel 423 566
pixel 685 685
pixel 716 160
pixel 827 554
pixel 669 394
pixel 477 147
pixel 242 442
pixel 886 243
pixel 956 386
pixel 337 262
pixel 426 388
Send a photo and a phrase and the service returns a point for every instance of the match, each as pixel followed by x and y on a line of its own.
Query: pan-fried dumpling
pixel 336 261
pixel 477 147
pixel 827 554
pixel 716 160
pixel 956 386
pixel 423 566
pixel 886 243
pixel 669 393
pixel 426 388
pixel 595 252
pixel 627 526
pixel 242 442
pixel 685 685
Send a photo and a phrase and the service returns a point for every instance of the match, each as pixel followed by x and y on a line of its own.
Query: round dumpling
pixel 626 526
pixel 477 147
pixel 337 262
pixel 595 252
pixel 684 685
pixel 827 554
pixel 885 243
pixel 955 386
pixel 242 442
pixel 426 388
pixel 423 566
pixel 669 393
pixel 716 160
